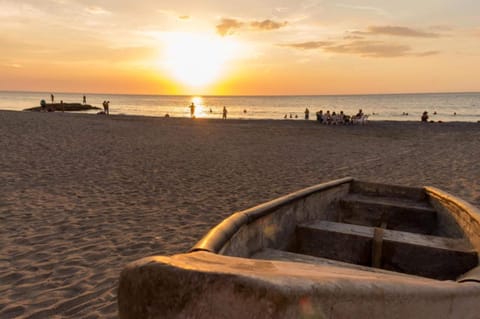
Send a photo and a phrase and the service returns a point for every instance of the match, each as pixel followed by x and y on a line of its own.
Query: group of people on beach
pixel 50 108
pixel 424 118
pixel 44 107
pixel 333 117
pixel 340 118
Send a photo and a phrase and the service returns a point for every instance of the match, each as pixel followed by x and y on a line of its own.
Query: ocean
pixel 447 107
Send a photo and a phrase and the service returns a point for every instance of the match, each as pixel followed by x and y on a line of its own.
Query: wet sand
pixel 82 195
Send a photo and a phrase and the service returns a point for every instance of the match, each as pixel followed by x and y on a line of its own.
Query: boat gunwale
pixel 471 210
pixel 219 235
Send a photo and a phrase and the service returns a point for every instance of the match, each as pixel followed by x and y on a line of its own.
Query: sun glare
pixel 197 60
pixel 199 107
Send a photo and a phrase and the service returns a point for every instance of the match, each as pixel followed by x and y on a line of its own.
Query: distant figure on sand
pixel 307 113
pixel 84 99
pixel 43 104
pixel 106 106
pixel 320 116
pixel 192 110
pixel 52 97
pixel 224 116
pixel 425 116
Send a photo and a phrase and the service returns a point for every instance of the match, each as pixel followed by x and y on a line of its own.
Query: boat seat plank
pixel 390 201
pixel 382 190
pixel 417 254
pixel 400 214
pixel 343 242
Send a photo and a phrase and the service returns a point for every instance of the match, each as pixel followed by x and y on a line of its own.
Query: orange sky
pixel 248 47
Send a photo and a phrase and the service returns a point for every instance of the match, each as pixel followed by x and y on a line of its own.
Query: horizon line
pixel 242 95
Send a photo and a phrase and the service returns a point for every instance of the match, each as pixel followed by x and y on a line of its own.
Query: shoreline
pixel 82 196
pixel 120 115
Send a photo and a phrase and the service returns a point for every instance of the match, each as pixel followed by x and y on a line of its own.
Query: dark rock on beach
pixel 64 107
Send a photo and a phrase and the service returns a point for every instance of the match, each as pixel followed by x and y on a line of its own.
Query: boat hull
pixel 231 272
pixel 207 285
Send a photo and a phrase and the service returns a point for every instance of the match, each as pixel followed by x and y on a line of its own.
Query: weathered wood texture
pixel 203 285
pixel 430 256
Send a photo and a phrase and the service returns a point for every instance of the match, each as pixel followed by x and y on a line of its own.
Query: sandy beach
pixel 83 195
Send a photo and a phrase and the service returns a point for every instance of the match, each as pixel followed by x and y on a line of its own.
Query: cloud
pixel 96 10
pixel 427 53
pixel 281 9
pixel 229 26
pixel 13 65
pixel 353 37
pixel 308 45
pixel 396 31
pixel 442 27
pixel 268 24
pixel 375 10
pixel 371 49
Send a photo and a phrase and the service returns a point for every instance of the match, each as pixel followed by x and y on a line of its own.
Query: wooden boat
pixel 343 249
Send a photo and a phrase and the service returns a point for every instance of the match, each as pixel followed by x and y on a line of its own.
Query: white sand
pixel 83 195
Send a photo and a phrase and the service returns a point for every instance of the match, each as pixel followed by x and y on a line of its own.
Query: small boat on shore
pixel 342 249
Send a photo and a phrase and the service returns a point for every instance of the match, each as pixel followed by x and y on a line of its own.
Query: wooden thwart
pixel 402 214
pixel 423 255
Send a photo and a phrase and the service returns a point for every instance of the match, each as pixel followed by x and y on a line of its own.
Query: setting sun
pixel 198 60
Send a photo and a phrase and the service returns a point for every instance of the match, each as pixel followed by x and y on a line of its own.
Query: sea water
pixel 392 107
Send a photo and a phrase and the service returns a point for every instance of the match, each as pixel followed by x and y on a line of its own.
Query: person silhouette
pixel 106 106
pixel 425 116
pixel 192 110
pixel 224 116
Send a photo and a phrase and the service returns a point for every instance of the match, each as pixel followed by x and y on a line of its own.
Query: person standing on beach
pixel 224 116
pixel 52 98
pixel 192 110
pixel 307 113
pixel 84 99
pixel 106 105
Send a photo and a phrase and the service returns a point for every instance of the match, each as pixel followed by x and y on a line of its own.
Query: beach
pixel 82 195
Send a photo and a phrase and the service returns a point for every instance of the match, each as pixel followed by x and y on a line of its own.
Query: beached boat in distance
pixel 343 249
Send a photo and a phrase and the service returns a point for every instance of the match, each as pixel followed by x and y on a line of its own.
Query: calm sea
pixel 448 106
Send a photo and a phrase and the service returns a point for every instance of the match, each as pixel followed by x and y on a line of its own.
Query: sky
pixel 224 47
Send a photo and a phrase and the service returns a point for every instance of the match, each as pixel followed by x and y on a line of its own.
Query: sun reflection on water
pixel 199 106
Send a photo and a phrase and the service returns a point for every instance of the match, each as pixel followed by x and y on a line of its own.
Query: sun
pixel 197 60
